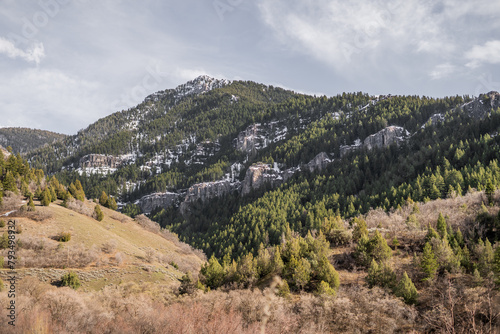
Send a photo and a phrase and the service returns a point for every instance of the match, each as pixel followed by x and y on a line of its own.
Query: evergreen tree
pixel 98 214
pixel 112 203
pixel 490 191
pixel 45 198
pixel 31 205
pixel 406 289
pixel 441 226
pixel 360 228
pixel 213 273
pixel 428 262
pixel 71 279
pixel 103 200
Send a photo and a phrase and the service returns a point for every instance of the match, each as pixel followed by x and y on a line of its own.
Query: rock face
pixel 251 139
pixel 258 136
pixel 319 162
pixel 5 152
pixel 259 174
pixel 479 108
pixel 207 190
pixel 383 138
pixel 150 202
pixel 99 160
pixel 386 137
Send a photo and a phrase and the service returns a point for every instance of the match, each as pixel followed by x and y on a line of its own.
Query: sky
pixel 66 63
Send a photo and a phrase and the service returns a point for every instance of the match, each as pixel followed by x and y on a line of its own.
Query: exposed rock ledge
pixel 100 160
pixel 383 138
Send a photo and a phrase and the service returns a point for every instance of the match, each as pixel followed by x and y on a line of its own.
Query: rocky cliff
pixel 383 138
pixel 319 162
pixel 150 202
pixel 258 136
pixel 479 108
pixel 259 174
pixel 386 137
pixel 99 160
pixel 207 190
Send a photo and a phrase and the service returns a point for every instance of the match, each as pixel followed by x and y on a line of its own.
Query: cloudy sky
pixel 66 63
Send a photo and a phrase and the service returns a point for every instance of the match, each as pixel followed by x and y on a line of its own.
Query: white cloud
pixel 359 34
pixel 442 71
pixel 488 53
pixel 50 99
pixel 33 54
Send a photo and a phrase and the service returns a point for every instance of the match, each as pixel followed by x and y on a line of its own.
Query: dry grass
pixel 131 308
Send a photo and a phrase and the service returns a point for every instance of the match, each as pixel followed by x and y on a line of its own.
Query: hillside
pixel 276 158
pixel 23 140
pixel 115 250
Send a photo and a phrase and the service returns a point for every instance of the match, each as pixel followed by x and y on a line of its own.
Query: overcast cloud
pixel 66 63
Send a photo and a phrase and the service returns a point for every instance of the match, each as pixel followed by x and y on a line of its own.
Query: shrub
pixel 109 247
pixel 2 223
pixel 64 237
pixel 187 285
pixel 98 214
pixel 71 279
pixel 325 289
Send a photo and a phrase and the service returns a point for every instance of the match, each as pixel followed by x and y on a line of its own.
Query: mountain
pixel 183 152
pixel 23 140
pixel 352 213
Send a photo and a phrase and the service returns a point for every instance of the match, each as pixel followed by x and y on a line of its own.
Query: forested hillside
pixel 23 140
pixel 339 204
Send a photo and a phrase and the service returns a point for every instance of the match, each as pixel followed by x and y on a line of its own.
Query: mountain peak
pixel 199 85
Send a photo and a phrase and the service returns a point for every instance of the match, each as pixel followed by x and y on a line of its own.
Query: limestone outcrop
pixel 479 108
pixel 163 200
pixel 99 160
pixel 319 162
pixel 386 137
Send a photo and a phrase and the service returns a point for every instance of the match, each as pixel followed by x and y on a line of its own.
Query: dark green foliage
pixel 360 228
pixel 71 279
pixel 131 210
pixel 213 273
pixel 23 139
pixel 2 223
pixel 428 262
pixel 187 285
pixel 406 289
pixel 441 226
pixel 375 248
pixel 490 191
pixel 381 275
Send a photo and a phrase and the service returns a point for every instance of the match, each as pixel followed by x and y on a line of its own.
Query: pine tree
pixel 112 203
pixel 431 233
pixel 213 273
pixel 99 215
pixel 103 200
pixel 378 248
pixel 496 264
pixel 406 289
pixel 46 198
pixel 31 205
pixel 428 262
pixel 490 191
pixel 441 226
pixel 360 229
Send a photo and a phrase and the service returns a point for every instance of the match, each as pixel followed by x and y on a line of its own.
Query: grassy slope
pixel 132 240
